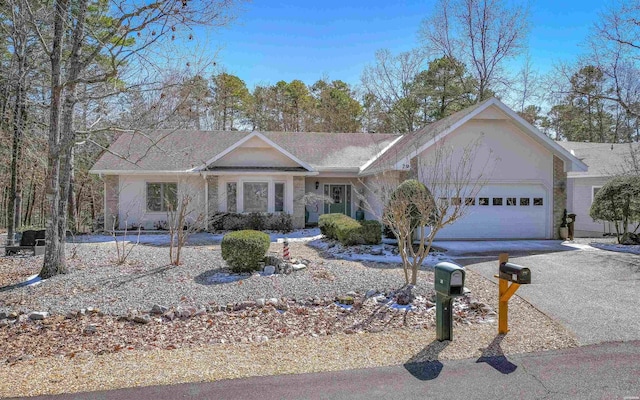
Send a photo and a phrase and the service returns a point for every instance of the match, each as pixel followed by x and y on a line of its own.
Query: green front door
pixel 340 196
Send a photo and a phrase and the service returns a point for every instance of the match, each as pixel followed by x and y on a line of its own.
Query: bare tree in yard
pixel 481 33
pixel 615 50
pixel 89 44
pixel 416 210
pixel 391 82
pixel 183 219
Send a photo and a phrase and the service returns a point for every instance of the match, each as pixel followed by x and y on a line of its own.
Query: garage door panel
pixel 517 221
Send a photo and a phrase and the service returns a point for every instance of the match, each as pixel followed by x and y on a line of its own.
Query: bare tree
pixel 390 81
pixel 449 179
pixel 183 220
pixel 102 40
pixel 481 33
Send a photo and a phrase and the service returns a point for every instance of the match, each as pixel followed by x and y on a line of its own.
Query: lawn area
pixel 157 318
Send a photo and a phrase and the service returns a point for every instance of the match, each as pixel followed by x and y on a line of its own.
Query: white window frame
pixel 146 194
pixel 240 180
pixel 593 195
pixel 284 196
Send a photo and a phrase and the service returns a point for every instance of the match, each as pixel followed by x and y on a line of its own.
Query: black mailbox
pixel 515 273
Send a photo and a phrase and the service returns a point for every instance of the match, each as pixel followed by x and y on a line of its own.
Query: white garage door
pixel 504 212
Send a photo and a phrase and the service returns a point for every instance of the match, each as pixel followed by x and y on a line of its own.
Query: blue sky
pixel 288 39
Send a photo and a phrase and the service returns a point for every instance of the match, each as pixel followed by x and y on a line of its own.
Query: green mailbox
pixel 448 283
pixel 449 279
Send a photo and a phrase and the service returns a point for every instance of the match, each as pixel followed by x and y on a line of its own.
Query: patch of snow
pixel 621 248
pixel 578 246
pixel 396 306
pixel 225 277
pixel 345 306
pixel 200 238
pixel 382 253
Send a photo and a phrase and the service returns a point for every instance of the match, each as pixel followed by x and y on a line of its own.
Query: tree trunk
pixel 54 260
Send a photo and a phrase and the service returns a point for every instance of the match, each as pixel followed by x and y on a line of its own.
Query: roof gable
pixel 255 140
pixel 410 145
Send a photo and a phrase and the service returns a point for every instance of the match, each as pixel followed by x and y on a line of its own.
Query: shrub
pixel 408 194
pixel 243 250
pixel 371 232
pixel 255 221
pixel 327 224
pixel 281 222
pixel 349 231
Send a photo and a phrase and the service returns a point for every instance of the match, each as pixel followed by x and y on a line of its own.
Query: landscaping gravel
pixel 146 279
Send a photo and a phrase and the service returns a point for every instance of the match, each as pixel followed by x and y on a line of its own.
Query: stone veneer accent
pixel 212 195
pixel 111 195
pixel 298 202
pixel 559 194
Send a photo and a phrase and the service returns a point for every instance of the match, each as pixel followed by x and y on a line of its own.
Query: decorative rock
pixel 142 319
pixel 348 300
pixel 352 293
pixel 170 315
pixel 4 315
pixel 273 301
pixel 376 252
pixel 261 302
pixel 90 329
pixel 244 305
pixel 466 290
pixel 38 315
pixel 262 339
pixel 200 311
pixel 285 268
pixel 184 313
pixel 298 267
pixel 13 315
pixel 305 262
pixel 269 270
pixel 404 296
pixel 158 309
pixel 93 310
pixel 3 323
pixel 370 293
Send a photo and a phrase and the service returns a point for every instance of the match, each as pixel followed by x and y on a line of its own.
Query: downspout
pixel 206 200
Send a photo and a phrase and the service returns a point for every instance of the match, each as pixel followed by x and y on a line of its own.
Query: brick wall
pixel 298 202
pixel 559 194
pixel 111 194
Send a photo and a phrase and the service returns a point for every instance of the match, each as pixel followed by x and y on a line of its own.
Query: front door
pixel 340 199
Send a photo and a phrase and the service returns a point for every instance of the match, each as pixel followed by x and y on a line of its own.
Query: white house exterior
pixel 605 161
pixel 278 172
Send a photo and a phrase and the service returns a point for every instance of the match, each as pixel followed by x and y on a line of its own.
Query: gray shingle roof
pixel 179 150
pixel 603 159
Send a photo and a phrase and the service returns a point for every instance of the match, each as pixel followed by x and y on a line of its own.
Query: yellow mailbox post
pixel 515 274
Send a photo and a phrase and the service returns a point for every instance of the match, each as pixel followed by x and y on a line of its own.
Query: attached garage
pixel 504 212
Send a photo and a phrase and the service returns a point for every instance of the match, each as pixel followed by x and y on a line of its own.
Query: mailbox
pixel 449 279
pixel 515 273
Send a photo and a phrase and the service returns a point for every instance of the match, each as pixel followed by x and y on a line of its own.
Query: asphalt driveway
pixel 595 293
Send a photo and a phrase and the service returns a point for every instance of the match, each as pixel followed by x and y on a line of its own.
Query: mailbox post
pixel 448 283
pixel 515 274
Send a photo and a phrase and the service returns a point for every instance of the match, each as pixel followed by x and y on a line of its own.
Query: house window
pixel 524 201
pixel 594 191
pixel 255 196
pixel 483 201
pixel 456 201
pixel 537 201
pixel 511 201
pixel 279 197
pixel 162 196
pixel 232 197
pixel 497 201
pixel 470 201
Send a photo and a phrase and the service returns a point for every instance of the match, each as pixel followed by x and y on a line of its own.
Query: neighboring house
pixel 277 172
pixel 605 160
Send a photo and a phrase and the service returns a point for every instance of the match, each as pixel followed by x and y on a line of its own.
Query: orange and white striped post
pixel 285 249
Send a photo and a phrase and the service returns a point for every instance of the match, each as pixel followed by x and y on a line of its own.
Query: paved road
pixel 594 293
pixel 610 370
